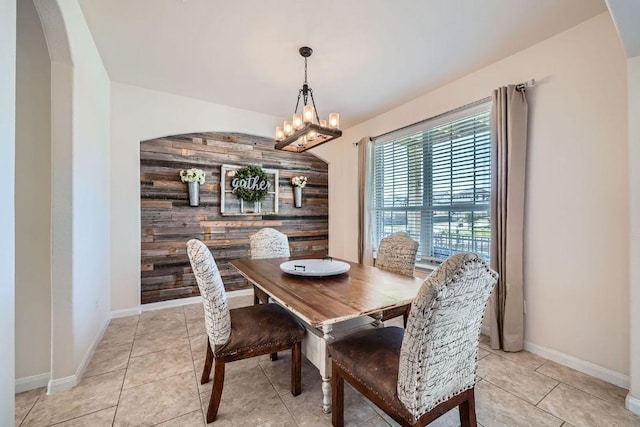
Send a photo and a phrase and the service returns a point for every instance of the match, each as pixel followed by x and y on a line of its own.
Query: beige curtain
pixel 365 250
pixel 508 156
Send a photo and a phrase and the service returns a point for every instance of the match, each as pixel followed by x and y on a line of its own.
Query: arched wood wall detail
pixel 168 222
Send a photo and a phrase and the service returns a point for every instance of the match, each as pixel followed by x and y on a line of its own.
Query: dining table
pixel 330 306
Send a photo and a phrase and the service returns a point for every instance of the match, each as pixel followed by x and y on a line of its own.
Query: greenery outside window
pixel 433 181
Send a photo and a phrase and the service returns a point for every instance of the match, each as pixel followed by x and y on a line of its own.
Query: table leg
pixel 326 375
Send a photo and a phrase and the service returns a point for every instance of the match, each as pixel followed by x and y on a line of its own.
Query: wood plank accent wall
pixel 168 221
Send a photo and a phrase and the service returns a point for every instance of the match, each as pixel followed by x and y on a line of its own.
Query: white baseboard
pixel 171 303
pixel 126 312
pixel 62 384
pixel 32 382
pixel 186 301
pixel 583 366
pixel 240 293
pixel 632 404
pixel 597 371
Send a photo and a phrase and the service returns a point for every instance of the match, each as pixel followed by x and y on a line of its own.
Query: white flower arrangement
pixel 192 175
pixel 299 181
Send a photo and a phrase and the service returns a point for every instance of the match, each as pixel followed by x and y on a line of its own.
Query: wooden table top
pixel 320 301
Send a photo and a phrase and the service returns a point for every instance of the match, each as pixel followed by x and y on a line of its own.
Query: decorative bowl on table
pixel 315 267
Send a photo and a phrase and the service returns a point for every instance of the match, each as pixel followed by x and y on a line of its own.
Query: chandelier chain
pixel 305 70
pixel 313 101
pixel 297 102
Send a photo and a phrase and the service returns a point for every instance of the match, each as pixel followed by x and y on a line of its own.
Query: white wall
pixel 91 253
pixel 576 257
pixel 634 233
pixel 33 198
pixel 80 191
pixel 7 215
pixel 139 114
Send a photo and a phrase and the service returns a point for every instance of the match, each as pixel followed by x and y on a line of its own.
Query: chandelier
pixel 306 130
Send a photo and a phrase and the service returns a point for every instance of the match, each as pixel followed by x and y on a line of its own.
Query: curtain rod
pixel 455 110
pixel 519 87
pixel 523 86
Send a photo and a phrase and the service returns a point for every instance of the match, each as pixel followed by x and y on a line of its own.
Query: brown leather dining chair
pixel 240 333
pixel 397 254
pixel 267 243
pixel 419 373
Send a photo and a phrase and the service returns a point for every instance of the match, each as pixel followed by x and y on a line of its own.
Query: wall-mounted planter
pixel 297 197
pixel 194 193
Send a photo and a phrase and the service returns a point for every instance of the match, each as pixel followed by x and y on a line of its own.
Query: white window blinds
pixel 433 180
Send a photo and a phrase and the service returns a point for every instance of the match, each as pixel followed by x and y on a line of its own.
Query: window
pixel 433 180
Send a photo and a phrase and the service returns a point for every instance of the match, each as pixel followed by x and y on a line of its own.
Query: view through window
pixel 433 181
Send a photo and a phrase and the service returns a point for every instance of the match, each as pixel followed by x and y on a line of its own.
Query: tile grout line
pixel 278 394
pixel 114 369
pixel 115 415
pixel 608 402
pixel 80 416
pixel 195 377
pixel 525 401
pixel 195 373
pixel 373 406
pixel 518 363
pixel 547 394
pixel 29 411
pixel 577 388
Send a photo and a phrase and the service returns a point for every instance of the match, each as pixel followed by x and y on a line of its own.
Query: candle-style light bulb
pixel 308 114
pixel 334 120
pixel 288 129
pixel 279 134
pixel 323 123
pixel 297 121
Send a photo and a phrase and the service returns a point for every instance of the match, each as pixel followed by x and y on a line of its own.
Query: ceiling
pixel 369 56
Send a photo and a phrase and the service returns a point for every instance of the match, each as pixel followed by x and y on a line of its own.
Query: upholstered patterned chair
pixel 267 243
pixel 240 333
pixel 397 253
pixel 421 372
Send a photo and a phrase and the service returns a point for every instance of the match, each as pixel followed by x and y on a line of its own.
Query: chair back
pixel 269 243
pixel 438 358
pixel 216 311
pixel 397 253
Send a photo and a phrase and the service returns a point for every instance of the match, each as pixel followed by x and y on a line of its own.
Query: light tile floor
pixel 145 372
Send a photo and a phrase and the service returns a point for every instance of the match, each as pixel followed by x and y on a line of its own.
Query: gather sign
pixel 252 183
pixel 248 190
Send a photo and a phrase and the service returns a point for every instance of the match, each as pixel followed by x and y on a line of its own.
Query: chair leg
pixel 208 361
pixel 337 397
pixel 216 391
pixel 468 410
pixel 260 297
pixel 296 368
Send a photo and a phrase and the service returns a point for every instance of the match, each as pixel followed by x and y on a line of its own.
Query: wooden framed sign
pixel 240 186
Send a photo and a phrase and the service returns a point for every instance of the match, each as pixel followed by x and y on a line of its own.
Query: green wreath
pixel 248 173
